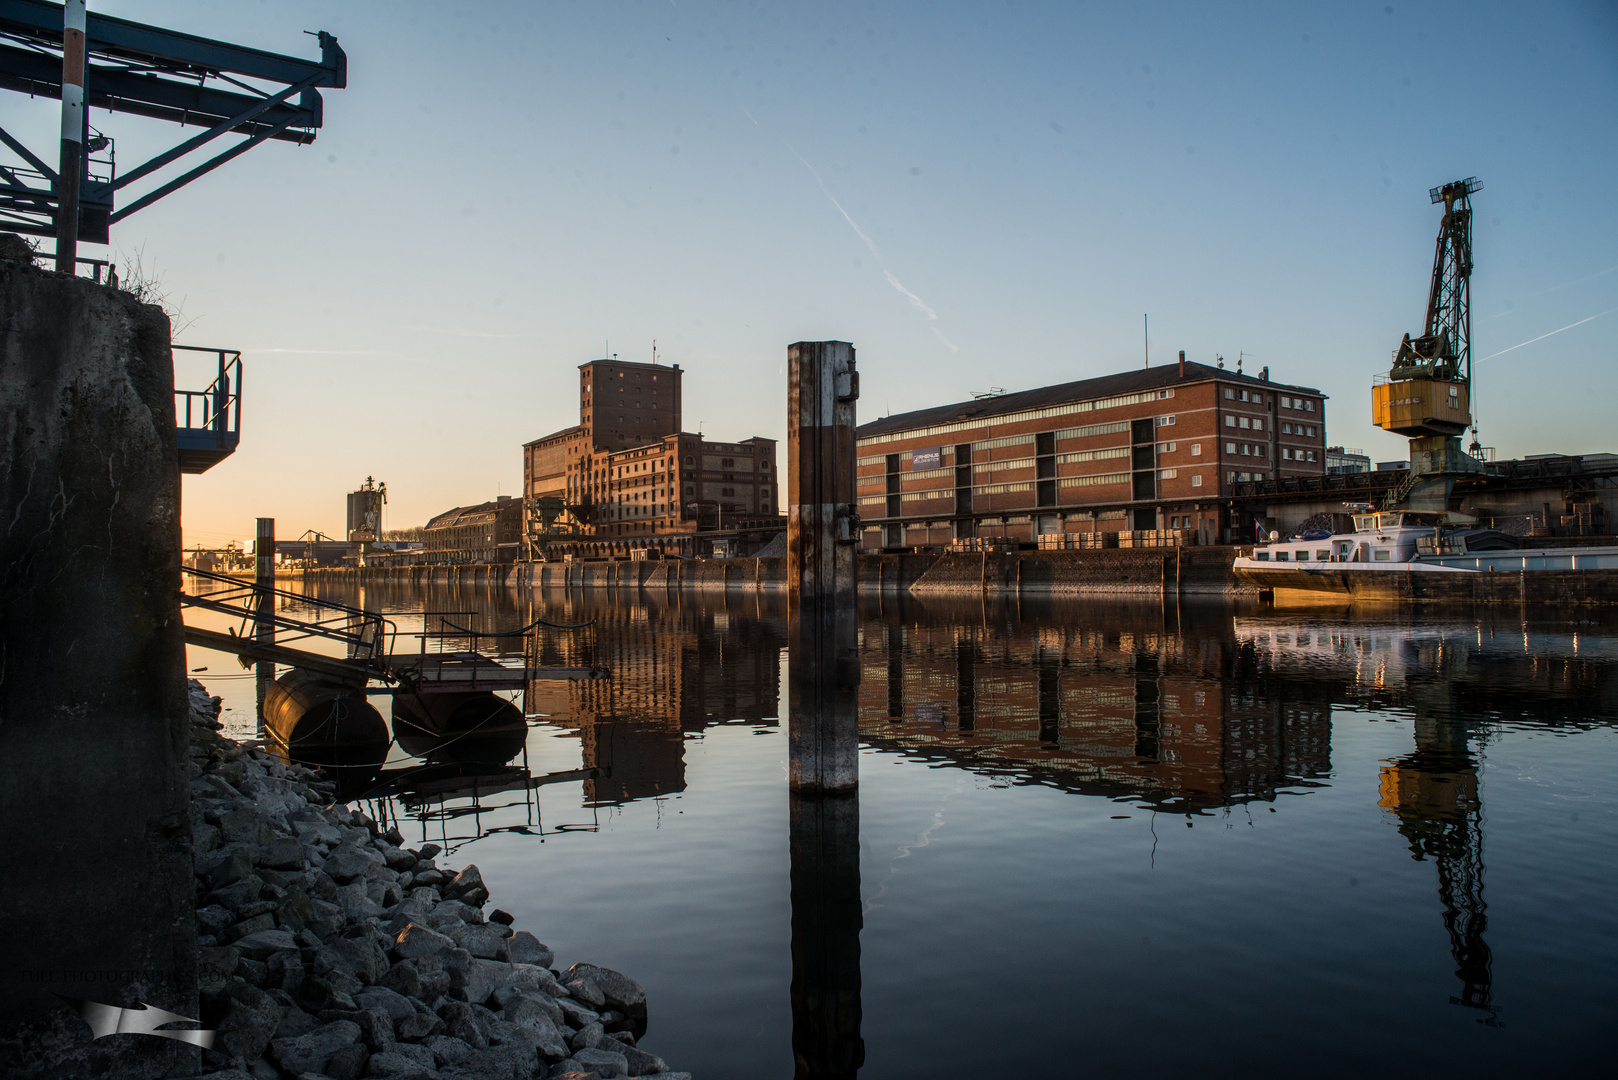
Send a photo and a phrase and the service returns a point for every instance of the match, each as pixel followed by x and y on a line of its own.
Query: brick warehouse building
pixel 633 479
pixel 1158 448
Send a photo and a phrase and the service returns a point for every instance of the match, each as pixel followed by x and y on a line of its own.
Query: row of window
pixel 1242 477
pixel 1020 417
pixel 1377 555
pixel 1297 455
pixel 1256 398
pixel 1298 429
pixel 1255 423
pixel 1245 449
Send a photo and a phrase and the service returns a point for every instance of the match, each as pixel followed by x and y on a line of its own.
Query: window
pixel 1230 448
pixel 1230 478
pixel 1323 556
pixel 1309 406
pixel 1381 555
pixel 1165 421
pixel 1258 424
pixel 1244 395
pixel 1165 448
pixel 1196 481
pixel 1282 556
pixel 1286 402
pixel 1311 431
pixel 1286 454
pixel 1167 474
pixel 1258 449
pixel 1243 422
pixel 1303 556
pixel 1261 556
pixel 1286 429
pixel 1196 449
pixel 1230 394
pixel 1247 449
pixel 1230 421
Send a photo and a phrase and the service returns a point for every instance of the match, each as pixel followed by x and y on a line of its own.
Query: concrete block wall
pixel 94 716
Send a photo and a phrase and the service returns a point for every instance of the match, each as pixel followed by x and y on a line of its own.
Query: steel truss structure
pixel 162 74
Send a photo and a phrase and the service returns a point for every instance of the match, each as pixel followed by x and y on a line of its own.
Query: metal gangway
pixel 266 632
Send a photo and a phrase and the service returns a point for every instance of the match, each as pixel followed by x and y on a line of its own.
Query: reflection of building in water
pixel 673 671
pixel 1153 715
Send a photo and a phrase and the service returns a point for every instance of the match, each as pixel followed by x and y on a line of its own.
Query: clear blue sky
pixel 505 187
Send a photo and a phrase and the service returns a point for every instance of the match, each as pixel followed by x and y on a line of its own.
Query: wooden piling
pixel 822 532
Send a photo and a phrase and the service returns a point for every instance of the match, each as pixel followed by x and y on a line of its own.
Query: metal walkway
pixel 266 633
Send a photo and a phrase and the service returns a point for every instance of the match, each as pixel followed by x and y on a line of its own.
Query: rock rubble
pixel 328 949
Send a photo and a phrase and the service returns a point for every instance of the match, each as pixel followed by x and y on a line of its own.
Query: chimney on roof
pixel 1182 363
pixel 1264 376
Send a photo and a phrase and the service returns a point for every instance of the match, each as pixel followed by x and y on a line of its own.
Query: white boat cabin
pixel 1388 537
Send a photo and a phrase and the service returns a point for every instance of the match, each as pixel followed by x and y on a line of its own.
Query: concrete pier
pixel 824 667
pixel 93 708
pixel 823 710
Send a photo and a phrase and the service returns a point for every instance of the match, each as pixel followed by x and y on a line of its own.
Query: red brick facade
pixel 1152 449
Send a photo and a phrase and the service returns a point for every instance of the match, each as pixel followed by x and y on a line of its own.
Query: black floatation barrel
pixel 305 710
pixel 462 725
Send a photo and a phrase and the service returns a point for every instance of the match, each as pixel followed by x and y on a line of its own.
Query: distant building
pixel 489 532
pixel 1157 448
pixel 629 477
pixel 1342 460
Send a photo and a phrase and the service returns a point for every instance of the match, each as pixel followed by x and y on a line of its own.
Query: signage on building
pixel 930 458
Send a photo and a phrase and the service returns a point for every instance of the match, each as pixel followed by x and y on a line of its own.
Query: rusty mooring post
pixel 823 677
pixel 822 531
pixel 263 626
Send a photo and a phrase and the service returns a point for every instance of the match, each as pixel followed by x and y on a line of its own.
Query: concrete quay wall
pixel 1145 571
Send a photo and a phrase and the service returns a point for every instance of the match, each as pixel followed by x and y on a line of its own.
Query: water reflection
pixel 1433 791
pixel 1186 710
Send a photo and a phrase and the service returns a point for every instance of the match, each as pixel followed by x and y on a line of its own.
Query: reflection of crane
pixel 1434 794
pixel 1426 395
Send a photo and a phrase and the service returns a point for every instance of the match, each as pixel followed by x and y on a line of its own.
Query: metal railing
pixel 366 636
pixel 218 408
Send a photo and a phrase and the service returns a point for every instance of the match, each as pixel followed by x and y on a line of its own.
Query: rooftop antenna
pixel 1146 334
pixel 1220 360
pixel 654 350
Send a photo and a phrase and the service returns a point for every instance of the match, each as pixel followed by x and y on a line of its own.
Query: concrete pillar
pixel 824 666
pixel 263 627
pixel 94 718
pixel 823 710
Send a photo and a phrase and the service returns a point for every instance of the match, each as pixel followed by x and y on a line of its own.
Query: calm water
pixel 1099 839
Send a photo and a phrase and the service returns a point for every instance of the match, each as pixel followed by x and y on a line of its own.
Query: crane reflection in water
pixel 1186 710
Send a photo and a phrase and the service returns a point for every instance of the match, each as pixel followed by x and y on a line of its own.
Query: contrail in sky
pixel 1542 337
pixel 917 302
pixel 325 352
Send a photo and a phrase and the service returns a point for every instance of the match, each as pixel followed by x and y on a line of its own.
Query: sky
pixel 977 195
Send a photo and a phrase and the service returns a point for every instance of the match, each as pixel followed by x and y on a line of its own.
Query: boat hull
pixel 1424 583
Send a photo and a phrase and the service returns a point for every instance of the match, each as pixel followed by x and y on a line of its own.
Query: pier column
pixel 263 627
pixel 823 677
pixel 822 531
pixel 94 717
